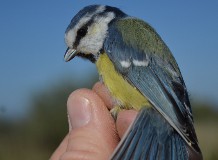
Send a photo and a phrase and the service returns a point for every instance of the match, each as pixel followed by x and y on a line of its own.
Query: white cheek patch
pixel 125 64
pixel 143 63
pixel 70 36
pixel 94 39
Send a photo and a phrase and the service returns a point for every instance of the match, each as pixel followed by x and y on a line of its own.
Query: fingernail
pixel 79 111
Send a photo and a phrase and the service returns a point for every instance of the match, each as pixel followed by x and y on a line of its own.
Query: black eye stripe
pixel 81 33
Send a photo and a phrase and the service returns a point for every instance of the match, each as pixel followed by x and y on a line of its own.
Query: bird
pixel 140 73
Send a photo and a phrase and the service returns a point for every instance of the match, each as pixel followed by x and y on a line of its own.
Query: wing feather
pixel 161 81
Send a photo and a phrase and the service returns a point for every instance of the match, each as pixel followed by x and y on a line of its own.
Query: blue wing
pixel 151 137
pixel 160 80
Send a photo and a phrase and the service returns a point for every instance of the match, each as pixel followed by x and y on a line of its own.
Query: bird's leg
pixel 114 111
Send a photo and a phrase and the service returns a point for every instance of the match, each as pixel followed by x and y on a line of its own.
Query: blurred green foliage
pixel 206 125
pixel 39 134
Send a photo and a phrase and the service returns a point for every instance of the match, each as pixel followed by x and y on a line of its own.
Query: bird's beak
pixel 69 54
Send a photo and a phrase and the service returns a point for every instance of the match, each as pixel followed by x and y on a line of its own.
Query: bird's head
pixel 87 31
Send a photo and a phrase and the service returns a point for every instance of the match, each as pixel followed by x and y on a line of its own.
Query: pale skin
pixel 93 133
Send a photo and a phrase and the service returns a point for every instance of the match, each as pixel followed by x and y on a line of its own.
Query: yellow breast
pixel 128 96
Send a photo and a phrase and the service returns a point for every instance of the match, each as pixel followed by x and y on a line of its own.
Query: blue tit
pixel 140 73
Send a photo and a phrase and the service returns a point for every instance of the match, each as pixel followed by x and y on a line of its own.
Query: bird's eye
pixel 82 32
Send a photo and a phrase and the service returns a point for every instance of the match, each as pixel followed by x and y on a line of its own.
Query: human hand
pixel 93 133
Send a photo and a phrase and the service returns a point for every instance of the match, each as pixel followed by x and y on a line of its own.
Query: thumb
pixel 93 134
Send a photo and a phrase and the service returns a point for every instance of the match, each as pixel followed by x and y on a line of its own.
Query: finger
pixel 103 92
pixel 61 149
pixel 124 119
pixel 93 134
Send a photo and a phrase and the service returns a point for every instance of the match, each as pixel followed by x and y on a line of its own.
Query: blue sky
pixel 32 44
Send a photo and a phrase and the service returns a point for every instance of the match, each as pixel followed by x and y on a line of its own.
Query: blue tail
pixel 152 138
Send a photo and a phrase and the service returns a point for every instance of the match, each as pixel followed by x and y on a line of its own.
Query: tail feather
pixel 152 138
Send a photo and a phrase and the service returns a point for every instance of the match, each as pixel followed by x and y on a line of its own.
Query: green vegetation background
pixel 36 136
